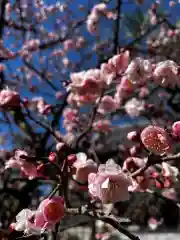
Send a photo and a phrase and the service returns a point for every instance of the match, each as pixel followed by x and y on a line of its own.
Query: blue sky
pixel 126 8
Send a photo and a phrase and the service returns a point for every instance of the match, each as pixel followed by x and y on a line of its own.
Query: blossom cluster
pixel 107 183
pixel 49 212
pixel 94 17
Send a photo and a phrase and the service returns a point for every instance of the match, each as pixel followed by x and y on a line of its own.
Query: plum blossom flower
pixel 19 161
pixel 115 66
pixel 156 140
pixel 52 209
pixel 77 100
pixel 154 223
pixel 84 167
pixel 170 174
pixel 70 114
pixel 144 92
pixel 39 104
pixel 134 107
pixel 170 194
pixel 166 74
pixel 69 44
pixel 49 212
pixel 139 70
pixel 119 62
pixel 23 223
pixel 70 119
pixel 80 41
pixel 142 181
pixel 107 104
pixel 9 98
pixel 109 184
pixel 31 45
pixel 87 82
pixel 133 136
pixel 176 128
pixel 124 89
pixel 102 126
pixel 94 17
pixel 43 107
pixel 131 164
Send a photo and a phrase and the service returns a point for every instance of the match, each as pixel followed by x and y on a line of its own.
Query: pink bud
pixel 25 102
pixel 52 157
pixel 71 159
pixel 52 209
pixel 133 136
pixel 60 146
pixel 176 128
pixel 12 227
pixel 9 98
pixel 172 3
pixel 134 150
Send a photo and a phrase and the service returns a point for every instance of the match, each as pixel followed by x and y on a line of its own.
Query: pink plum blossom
pixel 84 167
pixel 49 212
pixel 133 136
pixel 87 82
pixel 9 98
pixel 170 194
pixel 119 62
pixel 143 180
pixel 131 164
pixel 79 100
pixel 139 70
pixel 102 126
pixel 115 66
pixel 170 173
pixel 156 140
pixel 94 17
pixel 69 44
pixel 31 45
pixel 42 107
pixel 23 223
pixel 19 161
pixel 70 114
pixel 109 184
pixel 144 92
pixel 154 223
pixel 39 104
pixel 124 89
pixel 107 104
pixel 176 128
pixel 52 209
pixel 134 107
pixel 166 74
pixel 70 119
pixel 80 41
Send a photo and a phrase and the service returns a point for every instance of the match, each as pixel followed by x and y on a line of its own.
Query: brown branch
pixel 55 121
pixel 2 17
pixel 40 74
pixel 89 127
pixel 41 124
pixel 114 223
pixel 153 159
pixel 142 36
pixel 106 219
pixel 117 25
